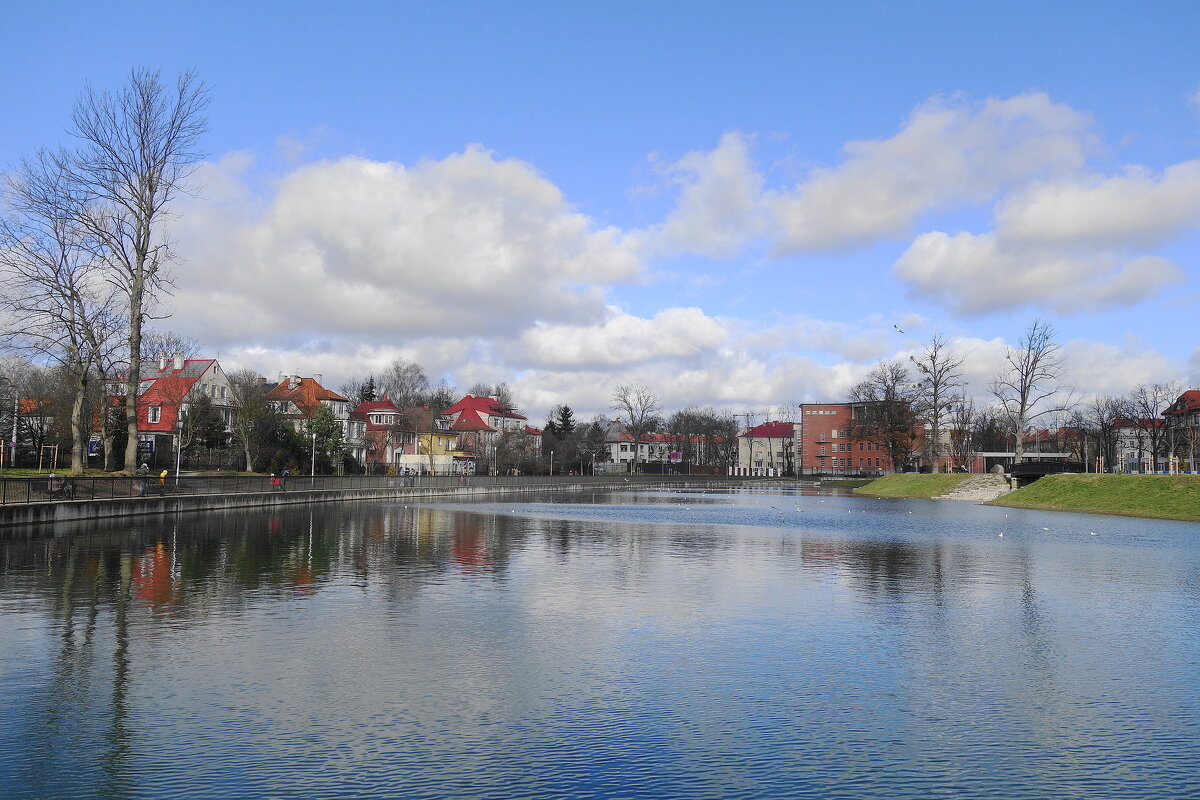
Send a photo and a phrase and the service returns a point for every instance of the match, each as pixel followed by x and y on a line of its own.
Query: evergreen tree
pixel 203 426
pixel 330 443
pixel 565 424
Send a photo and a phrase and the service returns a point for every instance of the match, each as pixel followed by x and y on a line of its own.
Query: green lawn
pixel 912 484
pixel 1159 496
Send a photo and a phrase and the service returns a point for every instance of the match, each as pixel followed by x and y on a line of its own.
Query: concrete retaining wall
pixel 71 511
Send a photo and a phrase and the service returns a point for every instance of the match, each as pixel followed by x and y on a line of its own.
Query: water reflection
pixel 613 645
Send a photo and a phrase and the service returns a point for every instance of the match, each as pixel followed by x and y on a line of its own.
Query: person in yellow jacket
pixel 162 482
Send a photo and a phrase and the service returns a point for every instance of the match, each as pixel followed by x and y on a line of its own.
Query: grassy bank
pixel 911 484
pixel 1158 496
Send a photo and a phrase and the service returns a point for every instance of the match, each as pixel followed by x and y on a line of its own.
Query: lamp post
pixel 178 445
pixel 312 478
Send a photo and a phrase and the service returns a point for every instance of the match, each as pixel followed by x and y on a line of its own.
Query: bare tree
pixel 254 416
pixel 1143 407
pixel 1029 385
pixel 138 147
pixel 885 411
pixel 637 409
pixel 501 391
pixel 405 383
pixel 938 390
pixel 55 297
pixel 961 420
pixel 1097 422
pixel 156 342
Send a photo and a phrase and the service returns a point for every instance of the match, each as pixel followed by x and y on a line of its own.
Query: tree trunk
pixel 79 432
pixel 133 379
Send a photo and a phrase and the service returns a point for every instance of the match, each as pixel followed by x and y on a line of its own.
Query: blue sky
pixel 568 196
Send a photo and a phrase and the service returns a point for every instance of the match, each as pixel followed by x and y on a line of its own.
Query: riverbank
pixel 200 494
pixel 914 485
pixel 1153 496
pixel 75 510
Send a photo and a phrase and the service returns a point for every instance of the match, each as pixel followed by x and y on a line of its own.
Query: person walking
pixel 141 473
pixel 162 482
pixel 283 479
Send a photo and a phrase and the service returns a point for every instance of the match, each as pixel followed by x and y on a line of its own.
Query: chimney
pixel 178 359
pixel 317 376
pixel 162 362
pixel 262 381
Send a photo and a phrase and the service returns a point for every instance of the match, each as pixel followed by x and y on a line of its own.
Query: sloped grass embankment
pixel 914 485
pixel 1157 496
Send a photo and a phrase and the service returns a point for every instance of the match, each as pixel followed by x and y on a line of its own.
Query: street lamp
pixel 178 442
pixel 312 478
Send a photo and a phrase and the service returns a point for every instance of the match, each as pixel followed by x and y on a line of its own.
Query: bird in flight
pixel 897 327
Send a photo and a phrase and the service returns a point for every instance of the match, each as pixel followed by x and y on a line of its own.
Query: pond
pixel 630 644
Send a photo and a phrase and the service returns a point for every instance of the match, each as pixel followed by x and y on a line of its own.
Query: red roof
pixel 482 407
pixel 306 395
pixel 533 431
pixel 1142 423
pixel 469 420
pixel 1188 401
pixel 166 388
pixel 364 410
pixel 771 430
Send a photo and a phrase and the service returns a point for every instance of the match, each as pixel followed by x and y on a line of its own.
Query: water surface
pixel 657 644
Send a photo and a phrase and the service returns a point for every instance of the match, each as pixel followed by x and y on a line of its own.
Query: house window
pixel 154 415
pixel 822 449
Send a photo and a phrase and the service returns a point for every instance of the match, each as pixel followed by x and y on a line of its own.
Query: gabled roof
pixel 363 411
pixel 532 431
pixel 171 384
pixel 1188 401
pixel 469 420
pixel 1142 423
pixel 771 430
pixel 29 406
pixel 376 406
pixel 306 395
pixel 486 406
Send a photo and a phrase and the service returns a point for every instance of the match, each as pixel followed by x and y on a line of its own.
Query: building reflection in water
pixel 114 597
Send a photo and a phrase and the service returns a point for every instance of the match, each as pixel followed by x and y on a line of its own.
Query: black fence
pixel 65 488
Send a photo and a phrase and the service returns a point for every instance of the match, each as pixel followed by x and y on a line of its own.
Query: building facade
pixel 166 387
pixel 298 399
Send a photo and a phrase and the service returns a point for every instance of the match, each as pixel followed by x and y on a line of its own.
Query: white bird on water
pixel 1045 529
pixel 1000 534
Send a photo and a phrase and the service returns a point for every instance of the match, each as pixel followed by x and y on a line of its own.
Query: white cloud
pixel 468 245
pixel 1103 368
pixel 720 206
pixel 857 342
pixel 974 274
pixel 1136 208
pixel 621 340
pixel 947 153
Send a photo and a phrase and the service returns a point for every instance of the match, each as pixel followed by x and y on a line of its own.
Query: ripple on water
pixel 638 646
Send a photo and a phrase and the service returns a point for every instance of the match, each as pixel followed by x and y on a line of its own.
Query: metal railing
pixel 41 489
